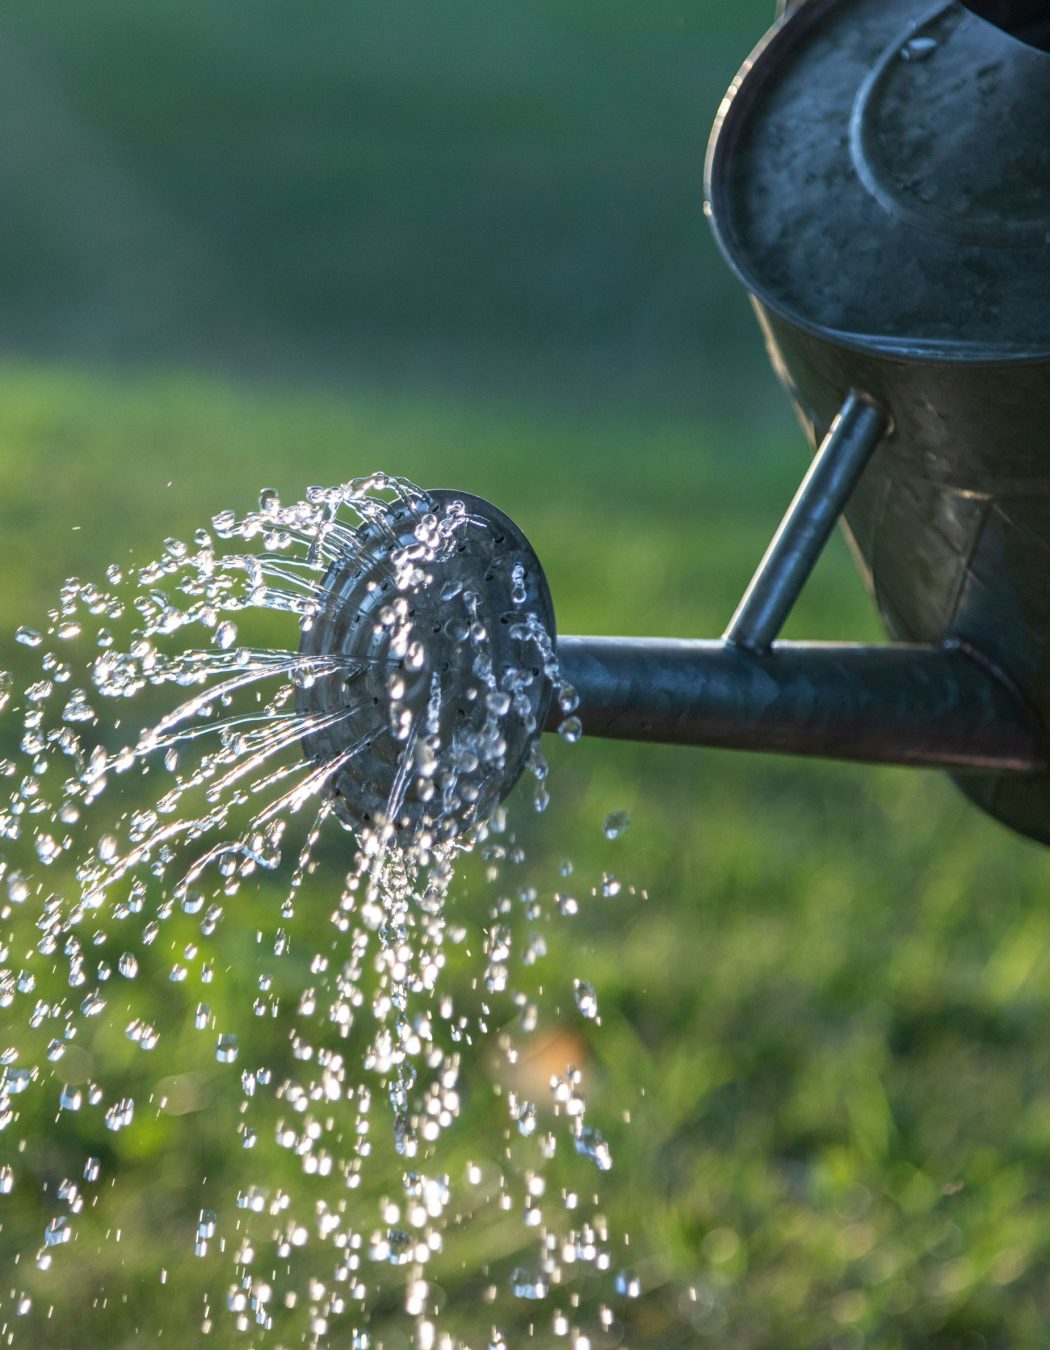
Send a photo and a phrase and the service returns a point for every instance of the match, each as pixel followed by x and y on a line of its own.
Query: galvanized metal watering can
pixel 879 180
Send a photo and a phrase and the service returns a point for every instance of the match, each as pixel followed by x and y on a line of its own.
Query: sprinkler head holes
pixel 441 622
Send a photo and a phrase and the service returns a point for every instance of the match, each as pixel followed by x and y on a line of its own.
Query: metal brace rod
pixel 854 435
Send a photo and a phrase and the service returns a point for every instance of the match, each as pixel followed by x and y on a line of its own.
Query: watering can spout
pixel 924 706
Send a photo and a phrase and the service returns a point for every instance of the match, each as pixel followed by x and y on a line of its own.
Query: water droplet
pixel 526 1119
pixel 225 635
pixel 28 637
pixel 120 1114
pixel 142 1034
pixel 193 902
pixel 528 1286
pixel 226 1048
pixel 499 703
pixel 628 1285
pixel 70 1098
pixel 616 824
pixel 568 699
pixel 128 965
pixel 47 848
pixel 518 593
pixel 17 1080
pixel 586 999
pixel 571 730
pixel 58 1231
pixel 590 1143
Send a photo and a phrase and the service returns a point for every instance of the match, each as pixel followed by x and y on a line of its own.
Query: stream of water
pixel 165 847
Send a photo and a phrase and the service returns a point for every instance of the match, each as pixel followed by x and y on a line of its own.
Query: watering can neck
pixel 916 705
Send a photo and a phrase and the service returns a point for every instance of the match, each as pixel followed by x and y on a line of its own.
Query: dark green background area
pixel 462 240
pixel 455 192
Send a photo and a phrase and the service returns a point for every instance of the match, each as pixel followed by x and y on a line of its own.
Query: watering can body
pixel 879 180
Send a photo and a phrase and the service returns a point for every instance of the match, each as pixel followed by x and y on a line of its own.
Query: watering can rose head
pixel 441 626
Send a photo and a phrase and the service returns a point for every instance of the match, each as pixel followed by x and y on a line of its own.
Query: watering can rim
pixel 795 22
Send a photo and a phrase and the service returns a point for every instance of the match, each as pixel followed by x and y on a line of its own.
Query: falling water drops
pixel 226 1048
pixel 586 999
pixel 571 730
pixel 120 1115
pixel 225 635
pixel 530 1286
pixel 616 824
pixel 57 1232
pixel 628 1284
pixel 70 1098
pixel 180 849
pixel 591 1144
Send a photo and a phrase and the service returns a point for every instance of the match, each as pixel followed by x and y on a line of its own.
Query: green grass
pixel 828 1016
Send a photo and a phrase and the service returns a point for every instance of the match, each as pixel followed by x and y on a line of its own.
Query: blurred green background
pixel 291 244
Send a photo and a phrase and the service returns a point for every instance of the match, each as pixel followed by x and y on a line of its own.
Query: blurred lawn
pixel 830 1017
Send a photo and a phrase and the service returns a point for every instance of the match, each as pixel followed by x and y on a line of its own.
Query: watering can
pixel 879 181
